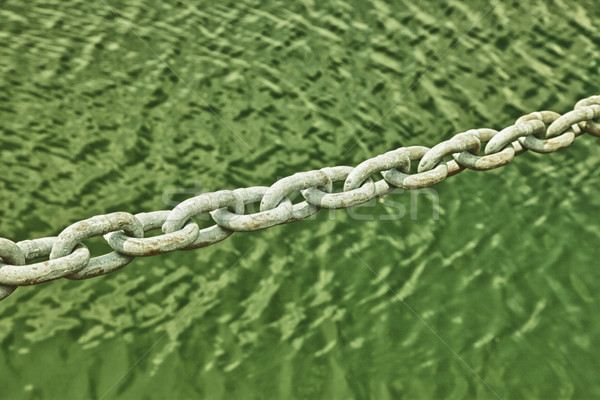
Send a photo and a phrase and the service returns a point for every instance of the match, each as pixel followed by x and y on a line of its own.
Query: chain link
pixel 142 247
pixel 68 257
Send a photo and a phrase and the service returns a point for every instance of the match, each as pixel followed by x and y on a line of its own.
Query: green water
pixel 498 298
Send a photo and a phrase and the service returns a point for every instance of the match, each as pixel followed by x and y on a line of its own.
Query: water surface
pixel 496 298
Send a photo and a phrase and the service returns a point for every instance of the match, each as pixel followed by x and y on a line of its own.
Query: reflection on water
pixel 503 282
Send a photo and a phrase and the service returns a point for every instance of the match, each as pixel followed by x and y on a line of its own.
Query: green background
pixel 100 113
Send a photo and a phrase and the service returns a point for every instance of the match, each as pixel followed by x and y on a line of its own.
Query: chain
pixel 68 257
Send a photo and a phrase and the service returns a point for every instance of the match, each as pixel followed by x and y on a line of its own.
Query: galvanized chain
pixel 68 257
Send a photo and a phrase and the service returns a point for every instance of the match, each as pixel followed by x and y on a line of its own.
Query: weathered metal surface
pixel 43 271
pixel 142 247
pixel 512 133
pixel 418 180
pixel 282 213
pixel 542 132
pixel 466 141
pixel 204 203
pixel 490 161
pixel 395 159
pixel 564 122
pixel 345 199
pixel 563 135
pixel 95 226
pixel 591 127
pixel 9 253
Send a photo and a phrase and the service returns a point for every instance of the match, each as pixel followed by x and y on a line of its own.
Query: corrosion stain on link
pixel 204 203
pixel 564 122
pixel 95 226
pixel 554 142
pixel 486 162
pixel 200 204
pixel 395 159
pixel 591 127
pixel 353 197
pixel 466 141
pixel 142 247
pixel 421 179
pixel 543 132
pixel 512 133
pixel 299 181
pixel 22 275
pixel 284 212
pixel 10 253
pixel 92 227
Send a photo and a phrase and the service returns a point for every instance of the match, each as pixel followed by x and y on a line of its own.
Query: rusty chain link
pixel 68 257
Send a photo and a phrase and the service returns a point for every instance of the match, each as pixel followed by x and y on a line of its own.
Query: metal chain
pixel 68 257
